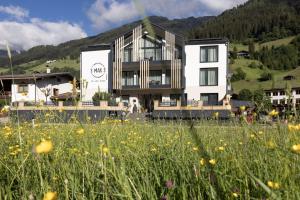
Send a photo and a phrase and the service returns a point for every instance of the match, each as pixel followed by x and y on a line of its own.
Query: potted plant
pixel 101 98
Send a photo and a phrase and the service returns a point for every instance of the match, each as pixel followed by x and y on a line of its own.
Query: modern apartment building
pixel 151 63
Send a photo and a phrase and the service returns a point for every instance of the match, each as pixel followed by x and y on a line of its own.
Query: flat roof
pixel 34 76
pixel 96 47
pixel 207 41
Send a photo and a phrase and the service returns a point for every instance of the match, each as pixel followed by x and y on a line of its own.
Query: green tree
pixel 245 95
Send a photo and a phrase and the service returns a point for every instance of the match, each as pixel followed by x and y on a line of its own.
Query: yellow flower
pixel 242 108
pixel 105 150
pixel 271 144
pixel 273 185
pixel 212 161
pixel 80 131
pixel 252 136
pixel 202 161
pixel 50 196
pixel 296 148
pixel 221 148
pixel 44 147
pixel 260 132
pixel 5 109
pixel 216 114
pixel 234 194
pixel 195 149
pixel 273 113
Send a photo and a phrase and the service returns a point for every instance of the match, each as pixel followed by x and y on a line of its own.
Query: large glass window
pixel 128 53
pixel 209 98
pixel 128 78
pixel 208 76
pixel 209 54
pixel 151 49
pixel 155 77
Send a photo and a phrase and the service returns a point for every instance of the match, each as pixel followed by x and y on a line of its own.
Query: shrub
pixel 245 95
pixel 238 75
pixel 266 76
pixel 101 96
pixel 253 65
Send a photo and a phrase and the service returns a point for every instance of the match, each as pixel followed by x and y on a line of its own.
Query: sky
pixel 28 23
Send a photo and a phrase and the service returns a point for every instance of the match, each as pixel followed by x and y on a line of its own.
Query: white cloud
pixel 221 5
pixel 105 14
pixel 24 35
pixel 15 11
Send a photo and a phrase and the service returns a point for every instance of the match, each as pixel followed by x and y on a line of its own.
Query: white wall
pixel 284 97
pixel 94 73
pixel 35 93
pixel 192 72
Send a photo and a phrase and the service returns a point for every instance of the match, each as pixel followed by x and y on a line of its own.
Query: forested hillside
pixel 261 20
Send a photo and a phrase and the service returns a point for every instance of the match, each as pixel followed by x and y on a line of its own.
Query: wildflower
pixel 216 115
pixel 271 144
pixel 212 161
pixel 105 150
pixel 80 131
pixel 221 148
pixel 273 185
pixel 260 132
pixel 50 196
pixel 252 136
pixel 202 161
pixel 234 194
pixel 169 184
pixel 273 113
pixel 242 108
pixel 44 147
pixel 296 148
pixel 195 149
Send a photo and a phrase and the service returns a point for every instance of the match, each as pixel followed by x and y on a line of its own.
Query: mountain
pixel 72 48
pixel 261 20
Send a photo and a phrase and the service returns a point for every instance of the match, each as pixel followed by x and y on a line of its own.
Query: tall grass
pixel 159 160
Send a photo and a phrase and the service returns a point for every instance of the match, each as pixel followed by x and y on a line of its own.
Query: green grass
pixel 252 83
pixel 258 46
pixel 142 157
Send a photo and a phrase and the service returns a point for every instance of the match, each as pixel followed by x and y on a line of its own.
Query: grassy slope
pixel 275 43
pixel 253 75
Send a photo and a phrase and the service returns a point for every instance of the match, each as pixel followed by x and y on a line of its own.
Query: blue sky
pixel 27 23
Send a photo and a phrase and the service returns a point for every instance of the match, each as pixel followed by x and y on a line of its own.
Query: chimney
pixel 48 70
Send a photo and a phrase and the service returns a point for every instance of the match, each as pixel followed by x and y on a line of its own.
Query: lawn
pixel 160 160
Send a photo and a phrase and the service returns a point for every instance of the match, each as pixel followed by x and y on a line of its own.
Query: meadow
pixel 149 160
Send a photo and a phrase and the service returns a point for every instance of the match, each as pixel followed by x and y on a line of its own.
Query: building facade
pixel 35 88
pixel 151 63
pixel 279 96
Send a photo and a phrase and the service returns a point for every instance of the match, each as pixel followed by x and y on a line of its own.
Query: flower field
pixel 153 160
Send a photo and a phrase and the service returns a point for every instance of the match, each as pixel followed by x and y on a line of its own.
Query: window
pixel 275 93
pixel 297 91
pixel 128 78
pixel 282 101
pixel 22 88
pixel 298 101
pixel 209 54
pixel 168 77
pixel 155 77
pixel 282 93
pixel 268 94
pixel 209 99
pixel 275 102
pixel 151 50
pixel 209 77
pixel 128 53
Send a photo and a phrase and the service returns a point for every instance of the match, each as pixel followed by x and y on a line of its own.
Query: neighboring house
pixel 279 97
pixel 36 87
pixel 244 54
pixel 152 63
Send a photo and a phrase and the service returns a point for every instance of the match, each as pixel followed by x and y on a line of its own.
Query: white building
pixel 151 63
pixel 35 88
pixel 280 97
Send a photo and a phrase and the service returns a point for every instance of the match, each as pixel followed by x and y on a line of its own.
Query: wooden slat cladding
pixel 176 73
pixel 117 65
pixel 137 34
pixel 170 46
pixel 144 74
